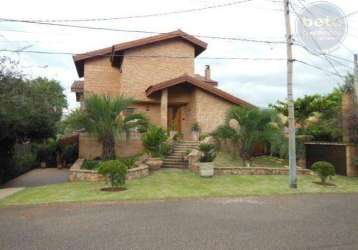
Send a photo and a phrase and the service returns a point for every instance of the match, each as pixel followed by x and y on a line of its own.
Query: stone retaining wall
pixel 78 174
pixel 257 171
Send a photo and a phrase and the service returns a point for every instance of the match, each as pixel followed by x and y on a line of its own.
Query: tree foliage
pixel 29 109
pixel 104 118
pixel 254 126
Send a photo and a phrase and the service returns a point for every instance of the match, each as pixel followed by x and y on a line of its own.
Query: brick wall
pixel 101 78
pixel 210 110
pixel 141 72
pixel 90 147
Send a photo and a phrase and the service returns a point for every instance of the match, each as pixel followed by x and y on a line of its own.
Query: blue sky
pixel 259 82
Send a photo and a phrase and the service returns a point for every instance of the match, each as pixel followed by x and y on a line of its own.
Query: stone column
pixel 352 169
pixel 164 109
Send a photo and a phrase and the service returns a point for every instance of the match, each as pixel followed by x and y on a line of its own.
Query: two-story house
pixel 158 73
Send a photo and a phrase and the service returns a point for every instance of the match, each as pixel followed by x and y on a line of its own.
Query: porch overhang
pixel 187 79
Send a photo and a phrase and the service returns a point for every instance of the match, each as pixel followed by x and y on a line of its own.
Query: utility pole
pixel 356 77
pixel 291 110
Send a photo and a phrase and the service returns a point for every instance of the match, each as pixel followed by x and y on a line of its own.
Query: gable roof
pixel 79 59
pixel 197 82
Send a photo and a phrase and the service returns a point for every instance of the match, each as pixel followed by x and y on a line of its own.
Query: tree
pixel 246 127
pixel 104 118
pixel 29 110
pixel 317 115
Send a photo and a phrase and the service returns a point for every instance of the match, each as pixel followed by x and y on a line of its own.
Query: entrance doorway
pixel 174 119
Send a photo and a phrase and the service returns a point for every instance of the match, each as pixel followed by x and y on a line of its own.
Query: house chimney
pixel 207 72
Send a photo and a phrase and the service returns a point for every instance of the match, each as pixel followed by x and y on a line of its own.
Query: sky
pixel 259 82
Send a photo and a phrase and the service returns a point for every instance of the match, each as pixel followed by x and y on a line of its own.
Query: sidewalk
pixel 5 192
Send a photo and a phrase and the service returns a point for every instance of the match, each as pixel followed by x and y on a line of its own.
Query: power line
pixel 318 54
pixel 174 12
pixel 313 39
pixel 319 68
pixel 146 56
pixel 141 31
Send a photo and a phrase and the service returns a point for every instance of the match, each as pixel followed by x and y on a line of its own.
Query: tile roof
pixel 77 86
pixel 197 82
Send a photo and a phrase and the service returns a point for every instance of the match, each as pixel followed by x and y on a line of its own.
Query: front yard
pixel 176 184
pixel 225 160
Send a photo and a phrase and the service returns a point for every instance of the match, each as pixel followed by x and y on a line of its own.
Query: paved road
pixel 39 177
pixel 286 222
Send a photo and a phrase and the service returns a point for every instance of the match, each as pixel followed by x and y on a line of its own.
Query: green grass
pixel 225 160
pixel 174 184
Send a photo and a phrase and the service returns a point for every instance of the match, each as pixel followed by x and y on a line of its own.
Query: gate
pixel 334 153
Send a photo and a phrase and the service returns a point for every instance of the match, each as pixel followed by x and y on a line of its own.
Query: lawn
pixel 225 160
pixel 174 184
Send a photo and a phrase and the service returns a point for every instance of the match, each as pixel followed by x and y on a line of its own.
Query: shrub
pixel 70 153
pixel 129 161
pixel 25 162
pixel 115 171
pixel 209 152
pixel 91 164
pixel 165 149
pixel 153 139
pixel 324 170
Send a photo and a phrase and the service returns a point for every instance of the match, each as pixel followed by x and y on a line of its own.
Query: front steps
pixel 175 160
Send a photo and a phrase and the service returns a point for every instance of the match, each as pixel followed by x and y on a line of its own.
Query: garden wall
pixel 78 174
pixel 90 148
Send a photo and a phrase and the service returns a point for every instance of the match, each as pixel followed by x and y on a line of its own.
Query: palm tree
pixel 246 127
pixel 104 118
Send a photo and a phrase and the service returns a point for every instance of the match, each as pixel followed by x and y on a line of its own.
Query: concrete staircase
pixel 175 160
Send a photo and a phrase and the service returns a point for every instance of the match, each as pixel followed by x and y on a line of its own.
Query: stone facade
pixel 78 174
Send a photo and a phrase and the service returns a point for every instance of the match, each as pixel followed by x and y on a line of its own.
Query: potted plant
pixel 154 142
pixel 206 164
pixel 195 131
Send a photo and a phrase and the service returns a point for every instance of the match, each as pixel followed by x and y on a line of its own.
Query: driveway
pixel 39 177
pixel 285 222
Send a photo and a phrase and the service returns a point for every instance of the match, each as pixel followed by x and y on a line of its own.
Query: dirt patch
pixel 113 189
pixel 328 184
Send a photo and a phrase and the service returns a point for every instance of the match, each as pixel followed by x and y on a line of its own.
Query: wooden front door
pixel 174 118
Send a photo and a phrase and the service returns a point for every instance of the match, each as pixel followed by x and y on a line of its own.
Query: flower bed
pixel 78 174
